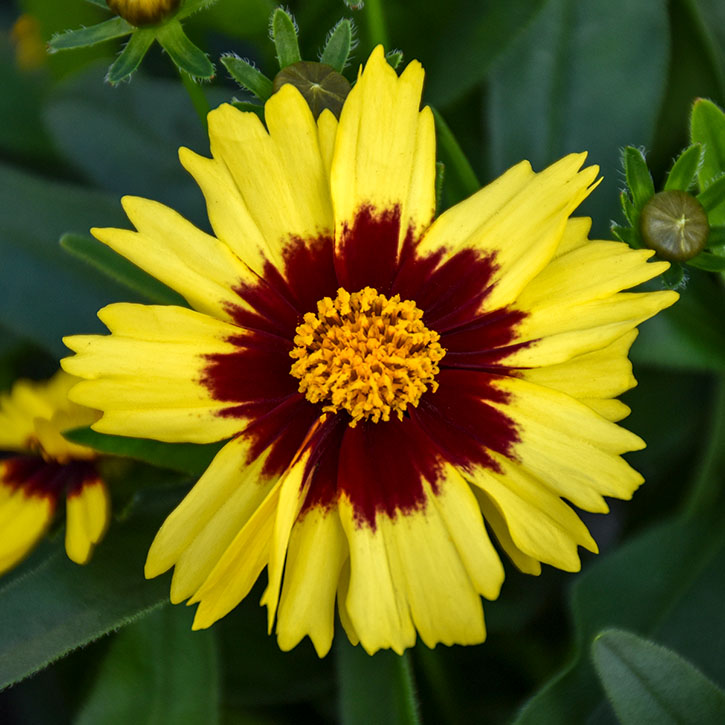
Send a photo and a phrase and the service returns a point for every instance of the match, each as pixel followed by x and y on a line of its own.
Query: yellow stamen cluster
pixel 366 354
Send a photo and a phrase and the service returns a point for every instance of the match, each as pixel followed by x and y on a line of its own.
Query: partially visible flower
pixel 145 21
pixel 143 12
pixel 29 45
pixel 396 388
pixel 42 466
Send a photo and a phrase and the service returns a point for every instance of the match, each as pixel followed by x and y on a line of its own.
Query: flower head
pixel 394 387
pixel 39 466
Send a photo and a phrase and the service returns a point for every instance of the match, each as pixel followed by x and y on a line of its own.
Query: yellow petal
pixel 570 448
pixel 263 189
pixel 495 520
pixel 147 376
pixel 240 565
pixel 198 266
pixel 23 521
pixel 385 149
pixel 316 554
pixel 540 524
pixel 200 528
pixel 519 219
pixel 604 373
pixel 87 517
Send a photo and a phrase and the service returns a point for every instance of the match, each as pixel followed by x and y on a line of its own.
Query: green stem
pixel 409 696
pixel 196 94
pixel 376 23
pixel 457 165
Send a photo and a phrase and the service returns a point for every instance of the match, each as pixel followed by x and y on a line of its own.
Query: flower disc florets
pixel 366 353
pixel 143 12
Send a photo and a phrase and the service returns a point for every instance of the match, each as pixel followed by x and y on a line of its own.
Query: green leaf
pixel 684 170
pixel 186 56
pixel 619 590
pixel 713 199
pixel 716 238
pixel 107 30
pixel 375 689
pixel 64 297
pixel 707 127
pixel 440 179
pixel 131 56
pixel 189 7
pixel 639 179
pixel 189 458
pixel 558 89
pixel 248 107
pixel 650 685
pixel 156 671
pixel 247 76
pixel 101 3
pixel 631 214
pixel 708 261
pixel 467 46
pixel 338 46
pixel 59 606
pixel 118 268
pixel 394 58
pixel 461 178
pixel 284 35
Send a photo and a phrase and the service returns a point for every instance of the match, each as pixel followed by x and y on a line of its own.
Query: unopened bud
pixel 143 12
pixel 674 224
pixel 320 85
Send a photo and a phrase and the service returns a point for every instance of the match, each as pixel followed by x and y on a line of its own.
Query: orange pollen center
pixel 367 354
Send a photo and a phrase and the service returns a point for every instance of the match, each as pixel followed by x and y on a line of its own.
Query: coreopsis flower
pixel 394 387
pixel 39 466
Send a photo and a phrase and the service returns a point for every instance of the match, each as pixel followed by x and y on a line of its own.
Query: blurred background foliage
pixel 517 79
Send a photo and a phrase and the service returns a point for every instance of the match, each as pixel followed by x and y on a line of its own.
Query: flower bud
pixel 320 85
pixel 674 224
pixel 143 12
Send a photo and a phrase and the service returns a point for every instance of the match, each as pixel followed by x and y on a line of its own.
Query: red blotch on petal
pixel 47 479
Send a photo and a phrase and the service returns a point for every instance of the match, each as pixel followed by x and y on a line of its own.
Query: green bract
pixel 162 23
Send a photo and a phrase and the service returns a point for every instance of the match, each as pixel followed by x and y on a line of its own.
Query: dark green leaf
pixel 338 46
pixel 675 276
pixel 375 689
pixel 559 88
pixel 64 297
pixel 651 685
pixel 467 46
pixel 131 56
pixel 620 590
pixel 284 35
pixel 183 457
pixel 126 139
pixel 639 179
pixel 248 107
pixel 684 171
pixel 461 179
pixel 707 127
pixel 113 28
pixel 156 671
pixel 59 606
pixel 116 267
pixel 186 56
pixel 689 335
pixel 708 261
pixel 631 214
pixel 248 77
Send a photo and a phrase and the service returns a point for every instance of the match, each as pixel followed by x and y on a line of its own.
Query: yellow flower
pixel 391 384
pixel 39 466
pixel 143 12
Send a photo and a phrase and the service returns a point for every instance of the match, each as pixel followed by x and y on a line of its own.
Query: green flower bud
pixel 320 85
pixel 674 224
pixel 143 12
